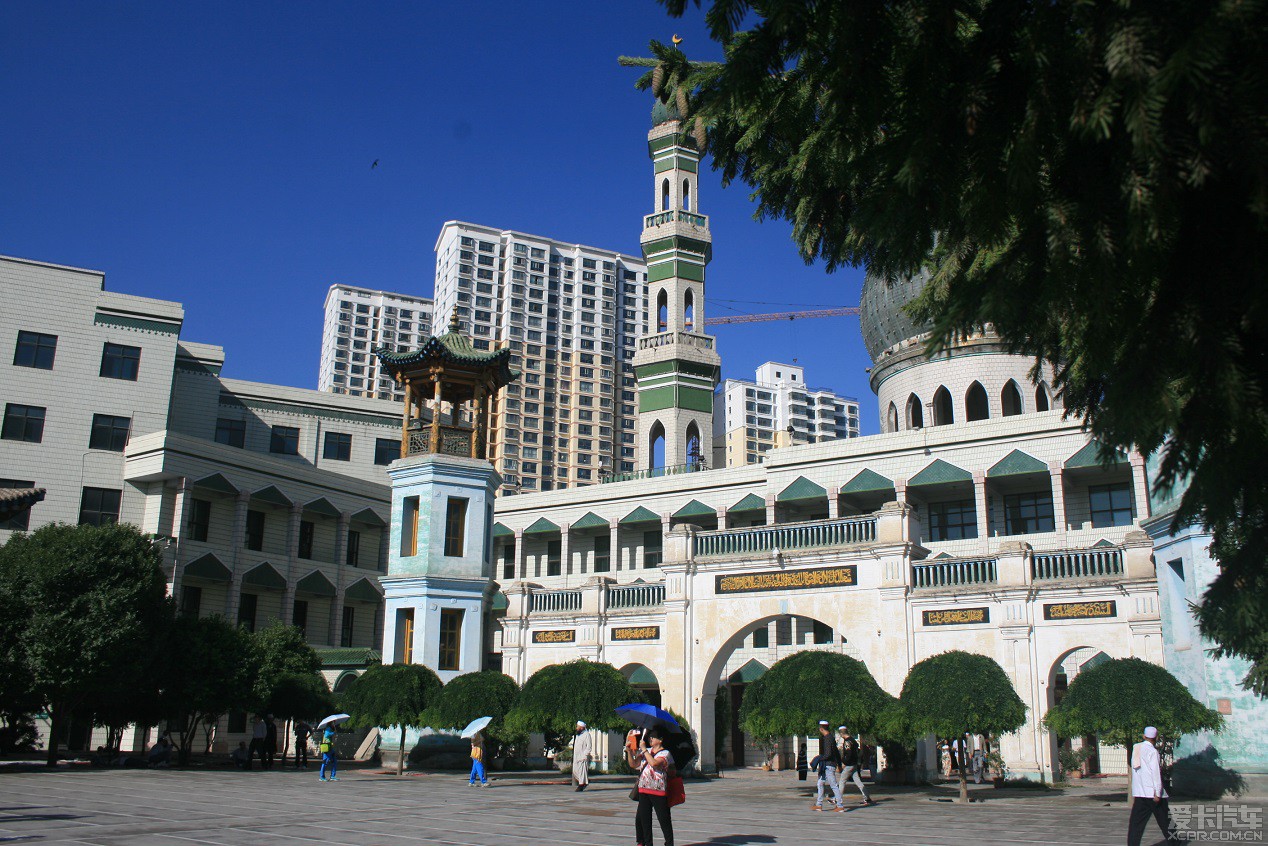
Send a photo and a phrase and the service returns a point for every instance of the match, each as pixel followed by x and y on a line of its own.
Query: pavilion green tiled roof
pixel 315 584
pixel 541 527
pixel 590 521
pixel 264 576
pixel 801 489
pixel 208 567
pixel 752 502
pixel 750 672
pixel 1090 456
pixel 1016 463
pixel 347 656
pixel 500 531
pixel 867 481
pixel 640 516
pixel 940 473
pixel 452 347
pixel 696 508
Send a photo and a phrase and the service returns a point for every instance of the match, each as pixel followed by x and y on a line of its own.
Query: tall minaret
pixel 677 365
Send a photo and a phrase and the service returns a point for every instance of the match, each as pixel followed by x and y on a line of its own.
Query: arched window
pixel 1010 399
pixel 662 311
pixel 686 194
pixel 943 413
pixel 1041 397
pixel 694 455
pixel 976 406
pixel 915 413
pixel 891 419
pixel 664 195
pixel 656 446
pixel 689 311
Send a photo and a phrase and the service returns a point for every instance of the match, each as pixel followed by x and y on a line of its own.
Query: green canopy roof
pixel 590 521
pixel 362 591
pixel 1090 456
pixel 801 489
pixel 696 508
pixel 322 506
pixel 499 602
pixel 867 481
pixel 940 473
pixel 216 482
pixel 500 531
pixel 752 502
pixel 264 576
pixel 208 567
pixel 1016 463
pixel 452 347
pixel 541 527
pixel 316 584
pixel 750 672
pixel 640 516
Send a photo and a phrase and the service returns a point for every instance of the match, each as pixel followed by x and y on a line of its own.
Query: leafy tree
pixel 89 599
pixel 956 694
pixel 282 651
pixel 296 696
pixel 555 697
pixel 209 672
pixel 1115 700
pixel 1066 172
pixel 392 695
pixel 806 687
pixel 487 693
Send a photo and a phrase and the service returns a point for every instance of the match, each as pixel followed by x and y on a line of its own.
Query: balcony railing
pixel 699 221
pixel 554 601
pixel 636 596
pixel 1077 564
pixel 655 472
pixel 454 440
pixel 664 339
pixel 847 532
pixel 953 572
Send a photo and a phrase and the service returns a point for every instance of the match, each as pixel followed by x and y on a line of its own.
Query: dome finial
pixel 453 320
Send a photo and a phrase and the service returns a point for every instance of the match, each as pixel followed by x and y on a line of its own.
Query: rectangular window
pixel 199 519
pixel 952 520
pixel 99 506
pixel 21 520
pixel 299 616
pixel 405 621
pixel 554 558
pixel 508 560
pixel 191 600
pixel 602 554
pixel 761 638
pixel 284 440
pixel 120 362
pixel 450 638
pixel 652 549
pixel 1028 513
pixel 23 423
pixel 255 531
pixel 306 539
pixel 386 450
pixel 231 432
pixel 409 526
pixel 353 558
pixel 338 446
pixel 1111 505
pixel 349 623
pixel 822 632
pixel 455 526
pixel 35 350
pixel 246 611
pixel 109 432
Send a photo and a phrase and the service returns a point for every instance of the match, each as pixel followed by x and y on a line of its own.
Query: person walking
pixel 829 764
pixel 581 746
pixel 655 769
pixel 329 760
pixel 851 763
pixel 270 742
pixel 302 732
pixel 1149 798
pixel 477 760
pixel 258 733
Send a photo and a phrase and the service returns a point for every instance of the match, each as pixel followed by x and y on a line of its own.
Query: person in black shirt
pixel 829 763
pixel 850 762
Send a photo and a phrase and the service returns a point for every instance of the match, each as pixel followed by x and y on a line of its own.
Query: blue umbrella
pixel 646 716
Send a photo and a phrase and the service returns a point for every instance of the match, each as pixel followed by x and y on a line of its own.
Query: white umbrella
pixel 333 718
pixel 475 725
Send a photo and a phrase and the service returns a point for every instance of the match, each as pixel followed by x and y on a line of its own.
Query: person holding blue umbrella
pixel 475 731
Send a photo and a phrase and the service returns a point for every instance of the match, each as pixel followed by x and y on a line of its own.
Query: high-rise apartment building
pixel 357 321
pixel 777 409
pixel 571 315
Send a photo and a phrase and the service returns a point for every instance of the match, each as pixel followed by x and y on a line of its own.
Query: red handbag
pixel 675 791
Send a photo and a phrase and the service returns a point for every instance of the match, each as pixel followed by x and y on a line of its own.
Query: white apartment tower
pixel 357 320
pixel 570 315
pixel 777 409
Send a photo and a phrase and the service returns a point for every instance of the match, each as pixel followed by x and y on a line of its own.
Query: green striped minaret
pixel 677 365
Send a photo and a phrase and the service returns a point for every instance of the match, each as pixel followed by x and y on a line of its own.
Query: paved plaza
pixel 141 808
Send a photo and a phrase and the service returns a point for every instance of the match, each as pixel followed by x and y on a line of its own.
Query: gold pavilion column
pixel 435 415
pixel 478 438
pixel 409 407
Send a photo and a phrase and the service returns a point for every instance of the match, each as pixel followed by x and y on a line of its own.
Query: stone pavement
pixel 145 807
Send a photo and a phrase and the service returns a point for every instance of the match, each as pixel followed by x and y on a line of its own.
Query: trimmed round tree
pixel 959 693
pixel 1115 700
pixel 487 693
pixel 392 695
pixel 555 697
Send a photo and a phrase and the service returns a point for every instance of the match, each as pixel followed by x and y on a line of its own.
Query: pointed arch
pixel 1010 399
pixel 915 413
pixel 943 410
pixel 976 405
pixel 656 446
pixel 695 454
pixel 686 195
pixel 1041 397
pixel 689 311
pixel 891 419
pixel 664 195
pixel 662 311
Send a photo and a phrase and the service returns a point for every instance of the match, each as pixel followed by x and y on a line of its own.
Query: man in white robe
pixel 581 757
pixel 1149 799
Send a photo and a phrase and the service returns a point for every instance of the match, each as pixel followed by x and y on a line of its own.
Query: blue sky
pixel 219 154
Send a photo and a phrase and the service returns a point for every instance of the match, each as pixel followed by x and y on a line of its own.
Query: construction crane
pixel 781 315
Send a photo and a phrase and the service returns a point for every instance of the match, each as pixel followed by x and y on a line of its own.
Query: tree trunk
pixel 55 726
pixel 400 754
pixel 964 781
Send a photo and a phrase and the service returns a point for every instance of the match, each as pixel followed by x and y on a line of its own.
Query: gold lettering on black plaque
pixel 636 633
pixel 788 580
pixel 555 636
pixel 1080 610
pixel 956 616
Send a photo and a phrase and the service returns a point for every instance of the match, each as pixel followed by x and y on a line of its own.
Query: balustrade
pixel 636 596
pixel 554 601
pixel 953 572
pixel 1077 564
pixel 845 532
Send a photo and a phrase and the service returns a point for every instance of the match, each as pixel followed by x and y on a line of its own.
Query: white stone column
pixel 834 503
pixel 233 595
pixel 614 545
pixel 770 510
pixel 1140 484
pixel 722 526
pixel 565 550
pixel 520 572
pixel 183 493
pixel 900 490
pixel 292 564
pixel 979 501
pixel 335 630
pixel 1055 471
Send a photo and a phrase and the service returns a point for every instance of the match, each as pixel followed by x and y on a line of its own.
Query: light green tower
pixel 677 365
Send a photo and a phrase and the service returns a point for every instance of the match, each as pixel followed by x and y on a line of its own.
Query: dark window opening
pixel 246 611
pixel 1111 505
pixel 338 447
pixel 1028 513
pixel 255 531
pixel 353 556
pixel 35 349
pixel 23 423
pixel 199 519
pixel 109 432
pixel 99 506
pixel 306 529
pixel 231 432
pixel 952 520
pixel 284 440
pixel 120 362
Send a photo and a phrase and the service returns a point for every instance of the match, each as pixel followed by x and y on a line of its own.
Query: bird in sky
pixel 376 164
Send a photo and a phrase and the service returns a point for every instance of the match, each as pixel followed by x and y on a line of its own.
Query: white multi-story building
pixel 777 409
pixel 358 320
pixel 570 314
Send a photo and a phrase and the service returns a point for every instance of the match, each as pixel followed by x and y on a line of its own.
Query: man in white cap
pixel 828 763
pixel 1148 796
pixel 581 757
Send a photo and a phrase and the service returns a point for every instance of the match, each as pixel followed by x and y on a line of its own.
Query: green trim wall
pixel 675 396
